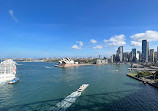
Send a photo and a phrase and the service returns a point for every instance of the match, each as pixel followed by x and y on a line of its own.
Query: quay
pixel 142 69
pixel 71 65
pixel 144 80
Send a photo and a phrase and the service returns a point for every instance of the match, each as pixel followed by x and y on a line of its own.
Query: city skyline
pixel 75 28
pixel 147 55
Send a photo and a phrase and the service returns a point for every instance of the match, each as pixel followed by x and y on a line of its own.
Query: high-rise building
pixel 145 50
pixel 155 57
pixel 130 56
pixel 113 58
pixel 120 52
pixel 138 56
pixel 134 54
pixel 148 51
pixel 117 58
pixel 157 54
pixel 126 56
pixel 151 55
pixel 99 56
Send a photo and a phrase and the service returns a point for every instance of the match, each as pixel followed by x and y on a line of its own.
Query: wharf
pixel 71 65
pixel 144 80
pixel 142 69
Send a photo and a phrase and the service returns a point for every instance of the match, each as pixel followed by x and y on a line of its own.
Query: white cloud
pixel 98 47
pixel 78 46
pixel 117 40
pixel 93 41
pixel 80 43
pixel 135 43
pixel 105 40
pixel 149 35
pixel 11 13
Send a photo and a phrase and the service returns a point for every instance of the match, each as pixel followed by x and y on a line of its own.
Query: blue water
pixel 41 88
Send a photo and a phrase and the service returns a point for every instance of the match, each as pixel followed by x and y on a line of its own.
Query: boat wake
pixel 66 103
pixel 2 83
pixel 47 67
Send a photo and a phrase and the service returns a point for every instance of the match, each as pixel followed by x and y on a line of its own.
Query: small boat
pixel 116 70
pixel 83 87
pixel 14 81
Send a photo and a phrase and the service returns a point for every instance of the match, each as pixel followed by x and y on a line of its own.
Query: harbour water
pixel 41 88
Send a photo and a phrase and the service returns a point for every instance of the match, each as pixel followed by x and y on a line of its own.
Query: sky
pixel 75 28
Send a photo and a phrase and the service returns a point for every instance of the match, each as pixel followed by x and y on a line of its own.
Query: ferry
pixel 7 70
pixel 14 81
pixel 83 87
pixel 69 100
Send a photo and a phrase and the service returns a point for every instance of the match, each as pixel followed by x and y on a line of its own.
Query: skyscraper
pixel 134 54
pixel 145 50
pixel 113 58
pixel 138 56
pixel 126 56
pixel 157 54
pixel 155 57
pixel 120 52
pixel 151 55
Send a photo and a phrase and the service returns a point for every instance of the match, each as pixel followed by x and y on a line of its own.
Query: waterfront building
pixel 148 55
pixel 138 56
pixel 134 55
pixel 126 56
pixel 117 58
pixel 130 56
pixel 65 61
pixel 152 55
pixel 145 50
pixel 113 58
pixel 157 54
pixel 120 53
pixel 148 51
pixel 102 61
pixel 155 57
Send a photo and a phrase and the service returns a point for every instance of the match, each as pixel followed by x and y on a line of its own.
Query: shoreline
pixel 72 65
pixel 30 61
pixel 144 80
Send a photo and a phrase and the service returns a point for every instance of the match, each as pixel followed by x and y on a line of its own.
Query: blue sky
pixel 75 28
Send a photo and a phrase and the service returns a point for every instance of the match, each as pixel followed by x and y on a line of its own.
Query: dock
pixel 142 69
pixel 144 80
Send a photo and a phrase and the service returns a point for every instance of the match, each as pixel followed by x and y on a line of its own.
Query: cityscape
pixel 145 56
pixel 78 55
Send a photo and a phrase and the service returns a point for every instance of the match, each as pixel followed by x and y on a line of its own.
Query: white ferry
pixel 7 70
pixel 83 87
pixel 69 100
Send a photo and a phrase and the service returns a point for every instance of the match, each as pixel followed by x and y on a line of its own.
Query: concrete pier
pixel 144 80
